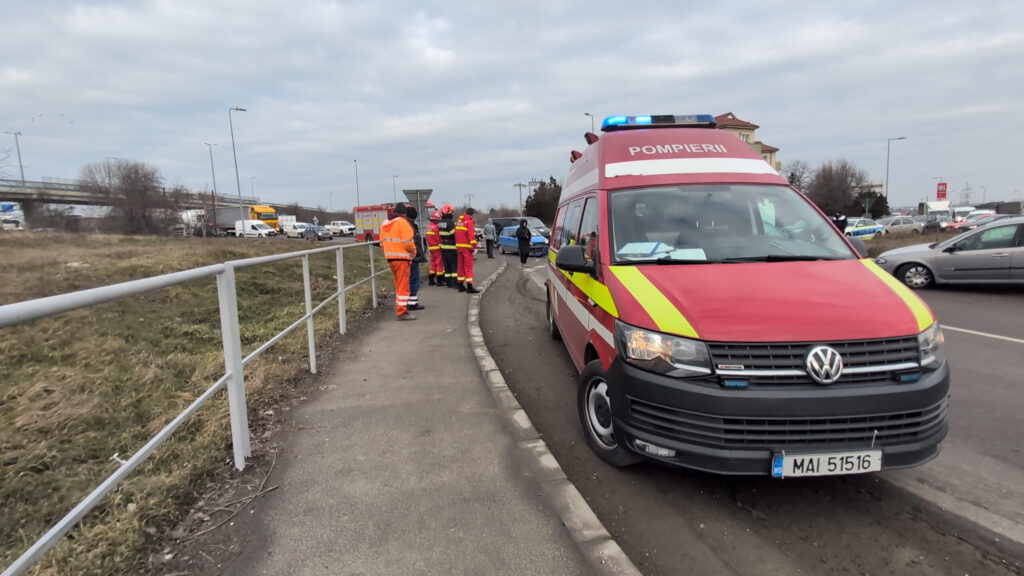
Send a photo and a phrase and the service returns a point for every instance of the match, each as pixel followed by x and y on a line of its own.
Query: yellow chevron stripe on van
pixel 593 289
pixel 921 313
pixel 658 306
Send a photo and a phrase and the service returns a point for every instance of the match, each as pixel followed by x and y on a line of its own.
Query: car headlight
pixel 931 343
pixel 881 260
pixel 662 353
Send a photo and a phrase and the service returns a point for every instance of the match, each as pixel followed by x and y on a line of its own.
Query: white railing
pixel 234 363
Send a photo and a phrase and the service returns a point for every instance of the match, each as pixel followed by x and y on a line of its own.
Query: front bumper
pixel 736 431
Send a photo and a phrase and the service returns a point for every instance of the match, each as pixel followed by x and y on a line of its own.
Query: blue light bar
pixel 613 123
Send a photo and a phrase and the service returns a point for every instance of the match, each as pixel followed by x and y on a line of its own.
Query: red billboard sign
pixel 940 191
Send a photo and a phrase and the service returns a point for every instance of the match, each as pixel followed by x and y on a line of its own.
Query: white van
pixel 253 229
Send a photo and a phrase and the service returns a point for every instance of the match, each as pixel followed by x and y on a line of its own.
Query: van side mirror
pixel 860 246
pixel 572 259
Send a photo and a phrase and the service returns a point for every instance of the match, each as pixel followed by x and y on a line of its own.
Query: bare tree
pixel 135 192
pixel 835 185
pixel 799 174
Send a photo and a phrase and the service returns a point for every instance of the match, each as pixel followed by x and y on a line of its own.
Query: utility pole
pixel 520 185
pixel 469 200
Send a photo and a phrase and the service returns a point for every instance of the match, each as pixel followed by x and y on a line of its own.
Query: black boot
pixel 430 281
pixel 462 287
pixel 470 289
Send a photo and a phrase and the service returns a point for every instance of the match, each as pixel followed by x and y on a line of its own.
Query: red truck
pixel 369 219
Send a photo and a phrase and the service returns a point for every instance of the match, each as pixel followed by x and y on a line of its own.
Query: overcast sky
pixel 473 97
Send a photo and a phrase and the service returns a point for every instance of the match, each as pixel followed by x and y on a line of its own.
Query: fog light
pixel 654 450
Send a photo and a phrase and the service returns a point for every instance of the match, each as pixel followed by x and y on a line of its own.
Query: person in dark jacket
pixel 449 256
pixel 414 270
pixel 524 236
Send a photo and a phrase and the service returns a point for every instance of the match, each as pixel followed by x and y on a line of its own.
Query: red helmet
pixel 435 215
pixel 447 209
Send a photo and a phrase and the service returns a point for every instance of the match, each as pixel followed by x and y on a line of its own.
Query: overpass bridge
pixel 63 191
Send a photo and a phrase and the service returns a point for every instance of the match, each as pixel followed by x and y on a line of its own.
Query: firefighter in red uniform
pixel 465 242
pixel 446 233
pixel 436 275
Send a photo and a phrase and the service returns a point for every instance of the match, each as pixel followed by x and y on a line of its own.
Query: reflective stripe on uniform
pixel 664 313
pixel 917 307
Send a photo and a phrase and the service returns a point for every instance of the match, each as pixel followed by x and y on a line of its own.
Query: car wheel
pixel 915 275
pixel 915 231
pixel 552 325
pixel 849 234
pixel 369 237
pixel 595 412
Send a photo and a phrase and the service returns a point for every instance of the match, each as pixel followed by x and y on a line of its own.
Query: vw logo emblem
pixel 824 364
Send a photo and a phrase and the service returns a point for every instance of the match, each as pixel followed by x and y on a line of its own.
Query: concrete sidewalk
pixel 418 460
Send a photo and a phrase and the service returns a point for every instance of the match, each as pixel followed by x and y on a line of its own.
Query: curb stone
pixel 595 544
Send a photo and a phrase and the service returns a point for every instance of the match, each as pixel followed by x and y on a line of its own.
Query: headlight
pixel 931 343
pixel 662 353
pixel 881 260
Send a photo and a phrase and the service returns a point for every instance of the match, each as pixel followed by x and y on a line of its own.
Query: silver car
pixel 991 254
pixel 902 225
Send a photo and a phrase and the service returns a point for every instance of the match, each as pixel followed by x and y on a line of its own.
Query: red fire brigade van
pixel 720 322
pixel 369 219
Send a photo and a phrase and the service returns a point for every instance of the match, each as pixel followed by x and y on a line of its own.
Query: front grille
pixel 784 359
pixel 778 433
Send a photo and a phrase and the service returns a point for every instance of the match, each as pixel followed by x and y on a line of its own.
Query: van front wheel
pixel 595 412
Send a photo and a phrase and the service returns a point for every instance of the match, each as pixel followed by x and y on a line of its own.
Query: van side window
pixel 589 228
pixel 571 225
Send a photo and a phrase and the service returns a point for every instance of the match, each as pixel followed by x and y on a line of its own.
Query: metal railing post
pixel 342 313
pixel 233 364
pixel 373 278
pixel 310 337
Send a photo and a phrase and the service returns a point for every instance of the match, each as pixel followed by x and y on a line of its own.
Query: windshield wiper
pixel 778 258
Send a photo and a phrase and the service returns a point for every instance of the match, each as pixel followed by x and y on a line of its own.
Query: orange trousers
pixel 400 270
pixel 465 272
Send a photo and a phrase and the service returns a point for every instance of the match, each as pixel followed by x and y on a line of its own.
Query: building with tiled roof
pixel 746 131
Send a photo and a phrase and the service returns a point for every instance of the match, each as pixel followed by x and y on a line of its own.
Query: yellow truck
pixel 226 216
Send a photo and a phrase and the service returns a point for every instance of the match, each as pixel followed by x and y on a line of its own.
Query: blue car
pixel 508 243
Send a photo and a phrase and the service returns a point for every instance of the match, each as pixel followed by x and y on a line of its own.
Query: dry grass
pixel 878 245
pixel 77 388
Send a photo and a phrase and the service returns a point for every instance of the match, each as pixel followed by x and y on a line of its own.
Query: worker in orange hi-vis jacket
pixel 465 243
pixel 436 275
pixel 397 241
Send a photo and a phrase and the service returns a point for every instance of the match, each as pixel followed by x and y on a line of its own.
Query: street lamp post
pixel 888 144
pixel 356 162
pixel 238 181
pixel 252 186
pixel 469 200
pixel 17 146
pixel 394 190
pixel 591 120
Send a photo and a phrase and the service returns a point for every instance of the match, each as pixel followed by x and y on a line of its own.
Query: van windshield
pixel 720 223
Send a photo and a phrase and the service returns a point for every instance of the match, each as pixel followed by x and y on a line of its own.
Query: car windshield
pixel 262 226
pixel 720 223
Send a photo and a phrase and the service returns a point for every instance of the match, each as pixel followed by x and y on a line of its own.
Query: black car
pixel 316 233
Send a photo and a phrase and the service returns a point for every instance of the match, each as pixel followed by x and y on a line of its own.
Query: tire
pixel 915 275
pixel 369 237
pixel 915 231
pixel 552 325
pixel 594 409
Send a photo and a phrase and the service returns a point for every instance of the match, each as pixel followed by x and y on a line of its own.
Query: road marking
pixel 985 334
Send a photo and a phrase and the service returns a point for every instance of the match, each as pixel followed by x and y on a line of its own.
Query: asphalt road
pixel 960 514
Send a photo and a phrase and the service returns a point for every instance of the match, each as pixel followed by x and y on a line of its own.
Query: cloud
pixel 470 98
